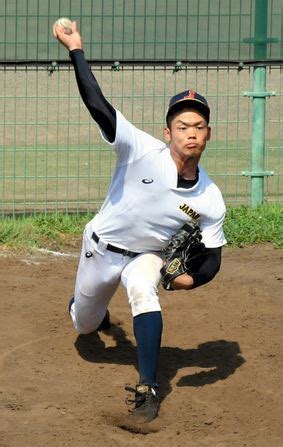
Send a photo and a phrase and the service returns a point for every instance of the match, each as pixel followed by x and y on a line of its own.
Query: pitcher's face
pixel 188 134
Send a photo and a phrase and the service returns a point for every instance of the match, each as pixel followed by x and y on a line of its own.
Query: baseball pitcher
pixel 160 223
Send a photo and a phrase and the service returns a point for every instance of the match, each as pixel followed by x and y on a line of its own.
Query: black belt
pixel 111 247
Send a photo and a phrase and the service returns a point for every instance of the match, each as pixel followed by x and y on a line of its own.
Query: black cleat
pixel 146 403
pixel 71 302
pixel 105 324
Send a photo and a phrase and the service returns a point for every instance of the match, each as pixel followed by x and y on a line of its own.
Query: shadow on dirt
pixel 220 358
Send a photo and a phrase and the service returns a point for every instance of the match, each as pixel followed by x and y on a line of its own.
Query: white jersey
pixel 143 207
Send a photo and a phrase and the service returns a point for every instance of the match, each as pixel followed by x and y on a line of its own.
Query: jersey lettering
pixel 189 211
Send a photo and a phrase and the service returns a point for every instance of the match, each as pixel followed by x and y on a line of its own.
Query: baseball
pixel 66 23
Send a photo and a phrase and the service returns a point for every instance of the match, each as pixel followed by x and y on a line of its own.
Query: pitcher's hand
pixel 70 41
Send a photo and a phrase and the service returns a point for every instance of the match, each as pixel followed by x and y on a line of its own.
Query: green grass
pixel 54 231
pixel 243 226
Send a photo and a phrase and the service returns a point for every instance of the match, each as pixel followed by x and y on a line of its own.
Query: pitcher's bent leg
pixel 98 277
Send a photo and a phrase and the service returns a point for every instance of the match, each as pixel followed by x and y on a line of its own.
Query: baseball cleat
pixel 146 403
pixel 105 324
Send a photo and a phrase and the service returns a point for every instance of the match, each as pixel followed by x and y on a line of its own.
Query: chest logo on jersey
pixel 147 180
pixel 189 211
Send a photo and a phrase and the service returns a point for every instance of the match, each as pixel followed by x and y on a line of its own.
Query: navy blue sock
pixel 147 331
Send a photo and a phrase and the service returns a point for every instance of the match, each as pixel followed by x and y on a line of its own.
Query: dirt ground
pixel 220 366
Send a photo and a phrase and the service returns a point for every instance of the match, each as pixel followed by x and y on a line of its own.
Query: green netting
pixel 143 29
pixel 52 157
pixel 51 154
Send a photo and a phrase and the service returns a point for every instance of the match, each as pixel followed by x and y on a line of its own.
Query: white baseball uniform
pixel 142 210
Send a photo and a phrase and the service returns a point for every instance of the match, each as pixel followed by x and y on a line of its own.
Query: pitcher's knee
pixel 85 324
pixel 143 298
pixel 83 328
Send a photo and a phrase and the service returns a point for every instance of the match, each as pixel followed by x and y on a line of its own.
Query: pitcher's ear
pixel 167 134
pixel 208 133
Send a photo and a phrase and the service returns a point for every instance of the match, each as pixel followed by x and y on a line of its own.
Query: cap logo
pixel 195 100
pixel 190 95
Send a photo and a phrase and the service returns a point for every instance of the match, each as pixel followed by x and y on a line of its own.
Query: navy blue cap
pixel 189 99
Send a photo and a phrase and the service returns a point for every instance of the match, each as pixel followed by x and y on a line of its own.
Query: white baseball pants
pixel 98 276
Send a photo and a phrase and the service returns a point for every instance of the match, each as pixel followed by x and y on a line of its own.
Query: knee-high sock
pixel 148 331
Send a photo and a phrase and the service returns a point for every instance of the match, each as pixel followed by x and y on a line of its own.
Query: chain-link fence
pixel 143 29
pixel 142 52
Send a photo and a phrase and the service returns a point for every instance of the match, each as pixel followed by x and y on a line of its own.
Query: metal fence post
pixel 259 95
pixel 258 138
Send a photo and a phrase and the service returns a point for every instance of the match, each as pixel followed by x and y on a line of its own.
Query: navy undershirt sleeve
pixel 100 109
pixel 206 267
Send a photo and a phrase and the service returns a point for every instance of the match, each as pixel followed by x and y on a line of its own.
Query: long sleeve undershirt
pixel 208 267
pixel 99 108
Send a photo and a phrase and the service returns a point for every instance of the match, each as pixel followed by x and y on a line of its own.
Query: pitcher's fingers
pixel 74 27
pixel 58 30
pixel 54 30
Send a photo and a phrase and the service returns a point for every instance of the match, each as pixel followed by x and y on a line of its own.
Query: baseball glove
pixel 181 251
